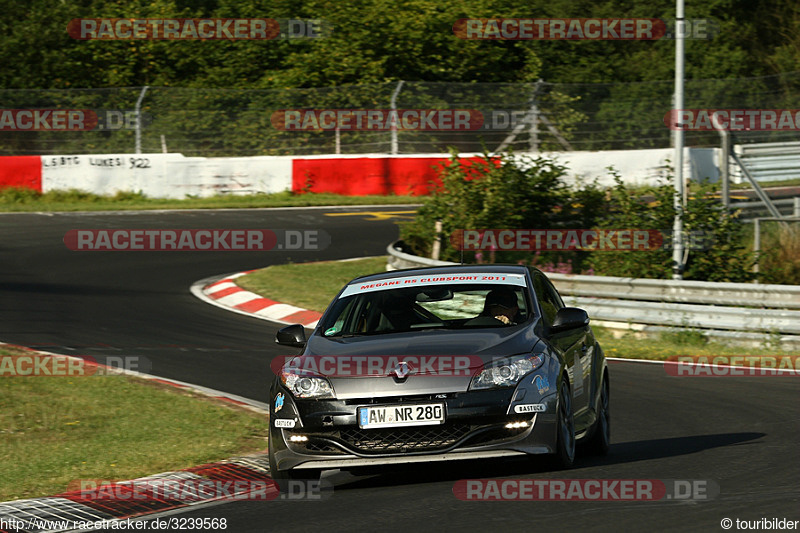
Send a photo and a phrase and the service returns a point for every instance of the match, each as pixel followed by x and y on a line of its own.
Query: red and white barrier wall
pixel 176 176
pixel 21 171
pixel 164 175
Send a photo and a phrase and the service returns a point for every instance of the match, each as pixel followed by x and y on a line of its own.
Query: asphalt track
pixel 739 433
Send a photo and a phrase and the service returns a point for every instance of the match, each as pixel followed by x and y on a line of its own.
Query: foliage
pixel 498 192
pixel 521 192
pixel 714 238
pixel 779 261
pixel 721 254
pixel 651 210
pixel 684 337
pixel 600 94
pixel 24 199
pixel 380 40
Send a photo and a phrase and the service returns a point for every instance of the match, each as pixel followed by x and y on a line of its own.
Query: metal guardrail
pixel 769 161
pixel 668 303
pixel 681 291
pixel 786 206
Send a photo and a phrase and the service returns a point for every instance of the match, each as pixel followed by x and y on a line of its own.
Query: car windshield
pixel 389 307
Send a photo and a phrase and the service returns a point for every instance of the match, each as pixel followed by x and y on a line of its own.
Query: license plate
pixel 383 416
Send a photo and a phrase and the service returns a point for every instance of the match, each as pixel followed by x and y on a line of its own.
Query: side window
pixel 549 300
pixel 554 297
pixel 344 319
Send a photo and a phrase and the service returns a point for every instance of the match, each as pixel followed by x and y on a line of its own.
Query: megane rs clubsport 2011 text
pixel 434 364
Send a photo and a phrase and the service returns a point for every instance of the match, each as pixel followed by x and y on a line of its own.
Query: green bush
pixel 779 260
pixel 498 192
pixel 648 209
pixel 715 243
pixel 724 256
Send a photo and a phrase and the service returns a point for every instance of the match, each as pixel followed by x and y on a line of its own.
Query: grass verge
pixel 26 200
pixel 313 286
pixel 54 430
pixel 308 285
pixel 21 200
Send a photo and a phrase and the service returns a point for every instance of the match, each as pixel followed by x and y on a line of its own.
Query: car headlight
pixel 304 386
pixel 506 372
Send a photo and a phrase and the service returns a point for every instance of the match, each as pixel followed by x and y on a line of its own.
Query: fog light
pixel 516 425
pixel 298 438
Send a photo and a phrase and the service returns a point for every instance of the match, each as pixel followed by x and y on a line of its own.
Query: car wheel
pixel 564 457
pixel 600 440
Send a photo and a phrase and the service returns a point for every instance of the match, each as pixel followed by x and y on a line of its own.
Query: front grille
pixel 389 440
pixel 401 399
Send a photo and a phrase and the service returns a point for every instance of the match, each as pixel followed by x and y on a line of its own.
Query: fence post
pixel 393 105
pixel 724 168
pixel 533 132
pixel 679 200
pixel 437 240
pixel 139 120
pixel 756 245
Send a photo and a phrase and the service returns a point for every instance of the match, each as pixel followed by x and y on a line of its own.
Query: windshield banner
pixel 484 278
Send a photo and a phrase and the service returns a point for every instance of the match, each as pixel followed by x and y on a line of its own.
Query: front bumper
pixel 326 433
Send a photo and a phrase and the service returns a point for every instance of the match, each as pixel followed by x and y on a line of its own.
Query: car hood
pixel 437 361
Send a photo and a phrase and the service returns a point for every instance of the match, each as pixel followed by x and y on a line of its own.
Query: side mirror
pixel 294 335
pixel 570 318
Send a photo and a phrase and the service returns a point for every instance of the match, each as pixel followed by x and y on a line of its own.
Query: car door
pixel 571 343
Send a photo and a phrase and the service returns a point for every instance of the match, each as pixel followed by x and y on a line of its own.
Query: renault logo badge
pixel 401 370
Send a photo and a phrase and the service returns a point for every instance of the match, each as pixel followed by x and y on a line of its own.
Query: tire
pixel 564 457
pixel 600 441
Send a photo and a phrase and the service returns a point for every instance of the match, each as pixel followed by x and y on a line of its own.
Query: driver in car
pixel 501 304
